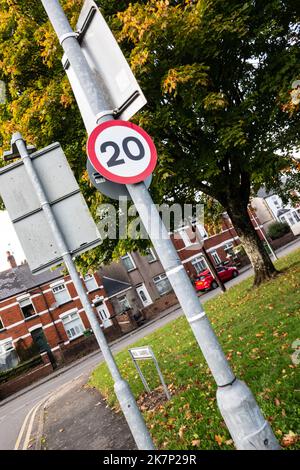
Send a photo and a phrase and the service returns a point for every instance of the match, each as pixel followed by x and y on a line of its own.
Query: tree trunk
pixel 254 247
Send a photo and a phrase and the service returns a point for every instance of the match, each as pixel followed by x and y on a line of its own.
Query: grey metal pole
pixel 238 407
pixel 242 415
pixel 126 399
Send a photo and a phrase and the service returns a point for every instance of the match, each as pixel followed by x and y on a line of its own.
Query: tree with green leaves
pixel 216 75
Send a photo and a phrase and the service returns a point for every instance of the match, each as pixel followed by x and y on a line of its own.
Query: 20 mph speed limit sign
pixel 122 152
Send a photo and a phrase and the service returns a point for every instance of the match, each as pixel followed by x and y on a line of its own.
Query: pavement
pixel 39 416
pixel 57 427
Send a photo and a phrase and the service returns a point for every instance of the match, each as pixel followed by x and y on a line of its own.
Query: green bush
pixel 278 229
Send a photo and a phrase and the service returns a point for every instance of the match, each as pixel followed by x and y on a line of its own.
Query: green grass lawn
pixel 256 328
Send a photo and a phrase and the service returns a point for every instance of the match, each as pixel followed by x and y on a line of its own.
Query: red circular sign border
pixel 107 174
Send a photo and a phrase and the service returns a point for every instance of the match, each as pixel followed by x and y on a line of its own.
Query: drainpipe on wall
pixel 60 339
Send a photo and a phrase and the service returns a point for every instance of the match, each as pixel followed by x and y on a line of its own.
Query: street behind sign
pixel 68 205
pixel 122 152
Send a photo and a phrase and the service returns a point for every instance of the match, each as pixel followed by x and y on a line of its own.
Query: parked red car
pixel 205 281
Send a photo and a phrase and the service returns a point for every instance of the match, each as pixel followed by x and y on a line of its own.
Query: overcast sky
pixel 8 242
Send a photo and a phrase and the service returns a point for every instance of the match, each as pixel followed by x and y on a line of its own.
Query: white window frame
pixel 2 343
pixel 128 255
pixel 213 254
pixel 24 298
pixel 199 260
pixel 1 323
pixel 154 258
pixel 89 277
pixel 69 314
pixel 58 284
pixel 158 279
pixel 122 297
pixel 228 246
pixel 276 202
pixel 296 213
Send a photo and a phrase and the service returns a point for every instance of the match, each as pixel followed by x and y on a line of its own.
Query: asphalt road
pixel 13 413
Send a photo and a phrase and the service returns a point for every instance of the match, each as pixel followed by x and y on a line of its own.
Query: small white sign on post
pixel 145 353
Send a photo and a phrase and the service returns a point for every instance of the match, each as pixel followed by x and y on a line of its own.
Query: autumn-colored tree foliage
pixel 216 75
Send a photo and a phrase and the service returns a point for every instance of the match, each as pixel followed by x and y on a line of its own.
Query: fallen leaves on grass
pixel 219 439
pixel 181 431
pixel 289 439
pixel 196 443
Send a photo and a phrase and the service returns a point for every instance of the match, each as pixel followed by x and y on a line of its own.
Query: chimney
pixel 11 260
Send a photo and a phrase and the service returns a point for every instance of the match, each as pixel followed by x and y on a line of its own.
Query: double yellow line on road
pixel 26 434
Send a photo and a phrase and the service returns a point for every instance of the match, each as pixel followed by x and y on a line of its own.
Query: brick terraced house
pixel 44 312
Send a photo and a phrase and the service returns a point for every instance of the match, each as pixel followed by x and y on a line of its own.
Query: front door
pixel 144 295
pixel 40 340
pixel 104 315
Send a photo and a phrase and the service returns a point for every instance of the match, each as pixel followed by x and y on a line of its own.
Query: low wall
pixel 78 348
pixel 13 386
pixel 84 345
pixel 287 238
pixel 159 306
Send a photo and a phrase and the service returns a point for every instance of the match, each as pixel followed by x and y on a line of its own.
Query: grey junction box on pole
pixel 246 424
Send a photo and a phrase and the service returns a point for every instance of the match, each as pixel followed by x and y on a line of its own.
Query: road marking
pixel 29 429
pixel 19 438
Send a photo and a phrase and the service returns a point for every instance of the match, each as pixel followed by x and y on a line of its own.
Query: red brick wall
pixel 13 386
pixel 55 334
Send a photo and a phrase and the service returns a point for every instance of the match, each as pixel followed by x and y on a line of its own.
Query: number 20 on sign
pixel 122 152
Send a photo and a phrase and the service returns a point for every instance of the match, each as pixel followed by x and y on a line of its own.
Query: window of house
pixel 5 346
pixel 1 325
pixel 73 325
pixel 61 293
pixel 128 262
pixel 162 284
pixel 296 216
pixel 228 247
pixel 216 257
pixel 123 302
pixel 199 264
pixel 290 219
pixel 150 255
pixel 276 202
pixel 90 282
pixel 26 307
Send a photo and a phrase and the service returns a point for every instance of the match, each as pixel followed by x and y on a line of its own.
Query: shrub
pixel 278 229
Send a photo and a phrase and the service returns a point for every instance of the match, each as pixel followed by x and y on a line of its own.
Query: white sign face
pixel 106 60
pixel 122 152
pixel 141 353
pixel 69 207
